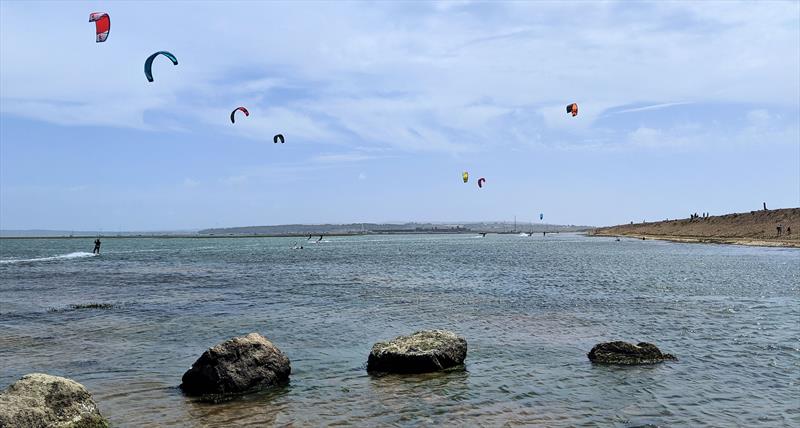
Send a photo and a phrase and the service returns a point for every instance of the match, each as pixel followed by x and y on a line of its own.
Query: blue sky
pixel 684 107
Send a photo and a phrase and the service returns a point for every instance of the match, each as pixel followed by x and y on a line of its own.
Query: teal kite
pixel 148 64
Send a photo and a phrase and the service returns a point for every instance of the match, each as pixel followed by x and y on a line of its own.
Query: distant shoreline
pixel 237 235
pixel 705 240
pixel 302 235
pixel 754 228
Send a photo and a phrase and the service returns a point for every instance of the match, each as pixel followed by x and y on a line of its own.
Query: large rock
pixel 39 400
pixel 627 353
pixel 421 352
pixel 239 365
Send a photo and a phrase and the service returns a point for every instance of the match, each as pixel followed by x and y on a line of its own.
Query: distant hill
pixel 749 228
pixel 373 228
pixel 309 229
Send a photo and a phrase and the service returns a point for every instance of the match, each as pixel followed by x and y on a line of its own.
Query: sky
pixel 683 107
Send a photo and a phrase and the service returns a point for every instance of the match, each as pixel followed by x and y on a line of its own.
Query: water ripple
pixel 530 309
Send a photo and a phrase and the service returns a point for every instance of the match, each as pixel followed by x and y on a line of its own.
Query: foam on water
pixel 75 255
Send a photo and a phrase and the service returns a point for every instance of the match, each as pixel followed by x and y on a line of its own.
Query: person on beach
pixel 779 227
pixel 789 230
pixel 96 246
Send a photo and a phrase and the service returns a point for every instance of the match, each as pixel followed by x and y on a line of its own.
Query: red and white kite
pixel 102 25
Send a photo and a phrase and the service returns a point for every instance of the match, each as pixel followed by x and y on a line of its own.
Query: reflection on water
pixel 530 308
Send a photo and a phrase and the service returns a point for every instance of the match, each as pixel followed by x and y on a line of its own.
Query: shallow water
pixel 530 308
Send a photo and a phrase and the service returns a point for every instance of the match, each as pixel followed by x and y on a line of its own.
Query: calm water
pixel 530 308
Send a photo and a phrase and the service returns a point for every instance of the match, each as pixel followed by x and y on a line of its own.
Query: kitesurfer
pixel 96 246
pixel 320 238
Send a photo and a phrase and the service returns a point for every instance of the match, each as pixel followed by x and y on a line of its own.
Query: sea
pixel 128 323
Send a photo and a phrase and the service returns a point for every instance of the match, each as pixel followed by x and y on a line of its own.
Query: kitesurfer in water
pixel 320 238
pixel 96 246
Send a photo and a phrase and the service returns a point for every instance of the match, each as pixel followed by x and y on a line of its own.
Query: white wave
pixel 75 255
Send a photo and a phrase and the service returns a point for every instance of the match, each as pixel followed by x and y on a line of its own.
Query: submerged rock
pixel 239 365
pixel 40 400
pixel 627 353
pixel 422 352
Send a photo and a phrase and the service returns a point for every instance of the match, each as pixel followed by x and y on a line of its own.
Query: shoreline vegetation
pixel 754 228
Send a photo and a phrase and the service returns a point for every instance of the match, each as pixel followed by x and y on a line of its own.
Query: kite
pixel 102 24
pixel 148 64
pixel 573 108
pixel 242 109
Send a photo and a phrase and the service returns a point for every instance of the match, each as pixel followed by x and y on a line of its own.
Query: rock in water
pixel 422 352
pixel 239 365
pixel 627 353
pixel 40 400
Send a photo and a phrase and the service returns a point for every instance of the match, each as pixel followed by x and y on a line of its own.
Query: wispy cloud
pixel 341 157
pixel 650 107
pixel 328 85
pixel 384 90
pixel 235 180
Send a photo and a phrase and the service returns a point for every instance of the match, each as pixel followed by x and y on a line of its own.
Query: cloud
pixel 758 117
pixel 447 77
pixel 341 157
pixel 650 107
pixel 235 180
pixel 647 137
